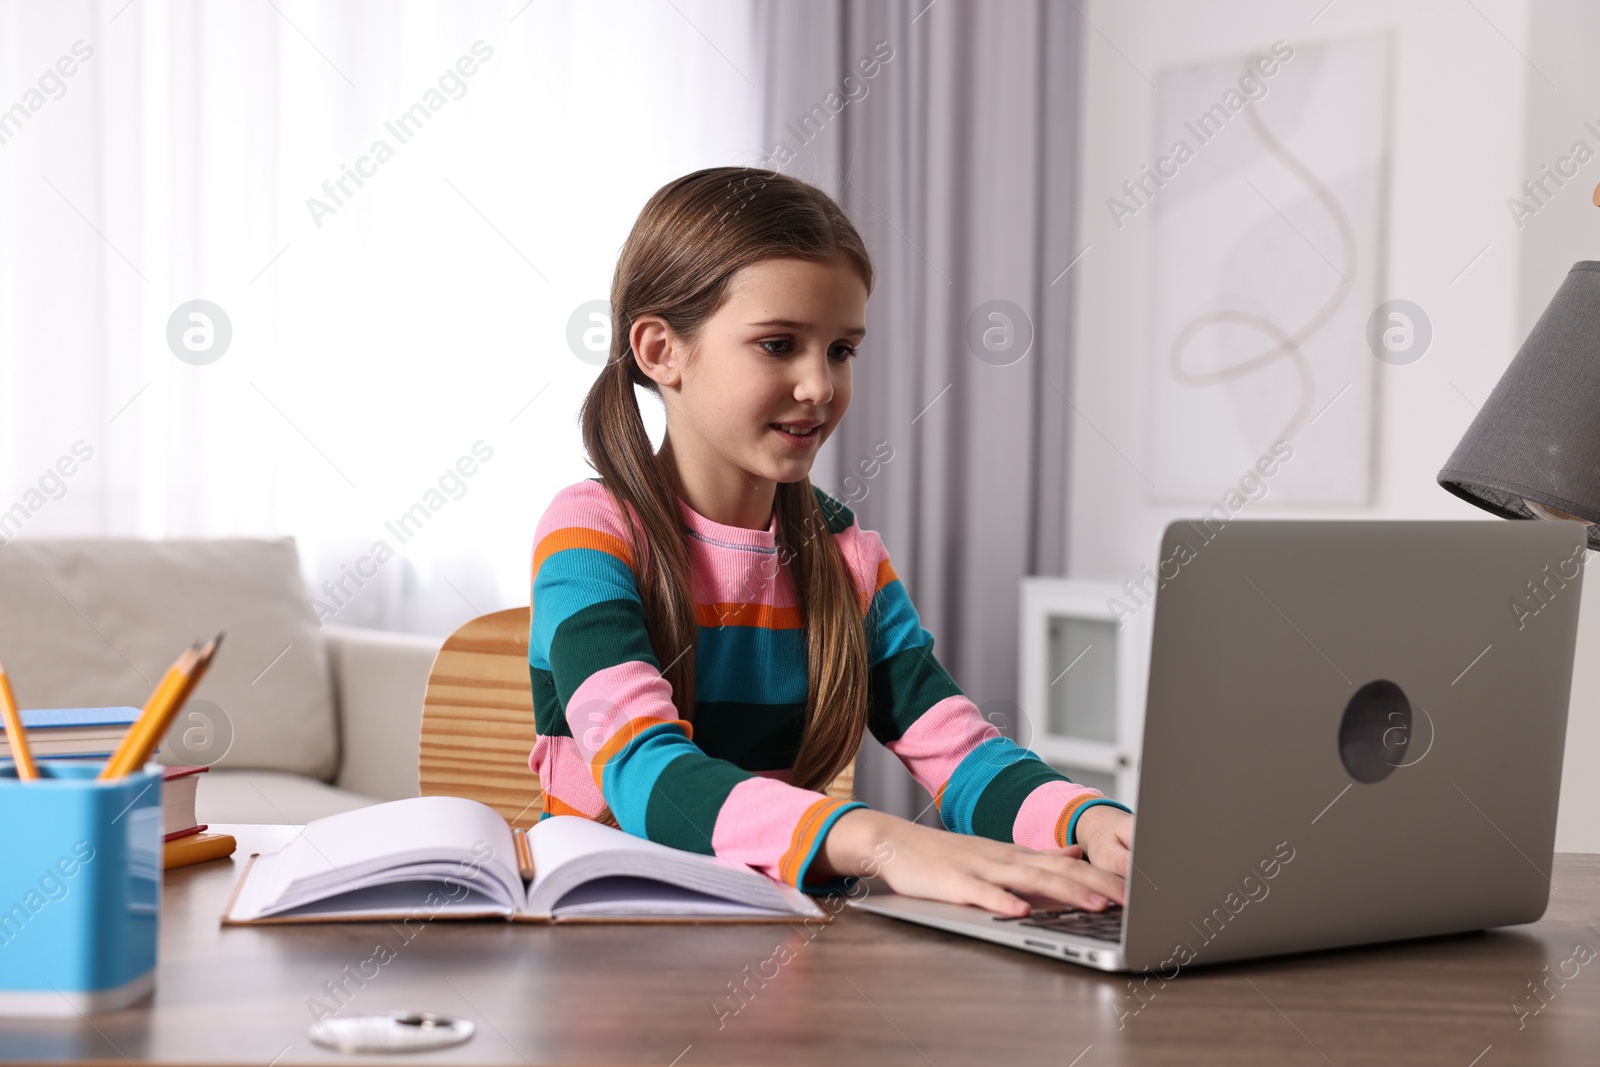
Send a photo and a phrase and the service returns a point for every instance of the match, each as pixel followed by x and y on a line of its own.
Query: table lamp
pixel 1533 452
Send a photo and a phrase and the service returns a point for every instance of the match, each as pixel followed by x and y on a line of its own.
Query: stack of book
pixel 93 734
pixel 183 835
pixel 178 787
pixel 75 733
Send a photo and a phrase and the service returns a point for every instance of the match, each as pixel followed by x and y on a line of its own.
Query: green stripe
pixel 596 637
pixel 995 814
pixel 549 714
pixel 688 794
pixel 904 686
pixel 757 737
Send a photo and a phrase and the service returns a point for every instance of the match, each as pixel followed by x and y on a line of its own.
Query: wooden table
pixel 864 989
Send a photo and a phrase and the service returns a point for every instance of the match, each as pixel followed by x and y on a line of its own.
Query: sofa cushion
pixel 269 796
pixel 96 622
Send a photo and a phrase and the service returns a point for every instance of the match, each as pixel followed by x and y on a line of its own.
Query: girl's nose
pixel 816 380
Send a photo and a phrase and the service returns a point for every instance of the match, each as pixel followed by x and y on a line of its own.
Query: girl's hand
pixel 920 861
pixel 1106 834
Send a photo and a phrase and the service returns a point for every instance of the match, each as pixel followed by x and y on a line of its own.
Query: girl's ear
pixel 655 350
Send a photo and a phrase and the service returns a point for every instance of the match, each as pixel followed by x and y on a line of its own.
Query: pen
pixel 26 771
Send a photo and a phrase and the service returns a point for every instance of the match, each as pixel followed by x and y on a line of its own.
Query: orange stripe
pixel 557 806
pixel 939 796
pixel 627 732
pixel 579 537
pixel 805 833
pixel 734 614
pixel 886 574
pixel 1064 821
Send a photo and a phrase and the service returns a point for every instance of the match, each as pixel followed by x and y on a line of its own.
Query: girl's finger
pixel 1085 887
pixel 993 898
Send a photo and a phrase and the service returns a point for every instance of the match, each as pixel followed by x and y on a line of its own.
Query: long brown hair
pixel 690 239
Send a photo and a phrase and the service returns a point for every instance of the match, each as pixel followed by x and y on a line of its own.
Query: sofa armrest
pixel 379 680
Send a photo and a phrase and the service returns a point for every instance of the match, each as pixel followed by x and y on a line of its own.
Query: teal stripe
pixel 892 623
pixel 687 797
pixel 972 776
pixel 567 582
pixel 750 664
pixel 630 774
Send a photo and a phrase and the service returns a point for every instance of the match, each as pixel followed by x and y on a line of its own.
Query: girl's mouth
pixel 796 439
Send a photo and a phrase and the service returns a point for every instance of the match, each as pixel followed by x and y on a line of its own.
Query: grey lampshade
pixel 1538 434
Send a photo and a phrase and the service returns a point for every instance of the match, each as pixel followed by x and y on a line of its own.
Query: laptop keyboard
pixel 1099 925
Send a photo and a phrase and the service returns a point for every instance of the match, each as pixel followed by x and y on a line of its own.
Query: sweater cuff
pixel 1067 827
pixel 830 815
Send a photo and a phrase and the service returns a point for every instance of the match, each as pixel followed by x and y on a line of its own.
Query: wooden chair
pixel 477 721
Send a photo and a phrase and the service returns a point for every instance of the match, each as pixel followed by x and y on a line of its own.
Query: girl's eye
pixel 847 351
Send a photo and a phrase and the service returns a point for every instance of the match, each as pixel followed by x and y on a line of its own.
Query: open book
pixel 452 858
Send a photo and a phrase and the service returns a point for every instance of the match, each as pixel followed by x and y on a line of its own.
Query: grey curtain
pixel 947 132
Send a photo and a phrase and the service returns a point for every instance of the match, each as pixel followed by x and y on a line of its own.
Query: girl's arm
pixel 610 734
pixel 983 782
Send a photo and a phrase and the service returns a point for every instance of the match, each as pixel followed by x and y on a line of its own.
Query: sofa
pixel 296 719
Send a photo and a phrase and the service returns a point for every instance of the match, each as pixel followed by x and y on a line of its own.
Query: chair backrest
pixel 477 721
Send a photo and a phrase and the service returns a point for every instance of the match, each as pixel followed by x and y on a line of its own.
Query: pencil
pixel 26 771
pixel 524 854
pixel 163 706
pixel 160 697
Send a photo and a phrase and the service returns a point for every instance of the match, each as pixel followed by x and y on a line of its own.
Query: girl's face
pixel 778 351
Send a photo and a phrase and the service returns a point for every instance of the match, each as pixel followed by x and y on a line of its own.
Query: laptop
pixel 1353 734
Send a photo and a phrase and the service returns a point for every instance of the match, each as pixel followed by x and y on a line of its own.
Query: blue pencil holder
pixel 80 888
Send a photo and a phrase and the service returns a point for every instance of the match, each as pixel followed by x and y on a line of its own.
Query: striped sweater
pixel 609 734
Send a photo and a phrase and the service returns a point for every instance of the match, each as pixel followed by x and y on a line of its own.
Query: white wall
pixel 1472 120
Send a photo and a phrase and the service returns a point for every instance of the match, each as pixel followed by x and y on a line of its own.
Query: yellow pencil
pixel 26 771
pixel 160 698
pixel 170 696
pixel 150 738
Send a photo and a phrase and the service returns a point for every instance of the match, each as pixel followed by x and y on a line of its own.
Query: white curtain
pixel 400 209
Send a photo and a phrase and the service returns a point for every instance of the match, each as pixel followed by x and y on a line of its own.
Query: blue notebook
pixel 81 733
pixel 55 718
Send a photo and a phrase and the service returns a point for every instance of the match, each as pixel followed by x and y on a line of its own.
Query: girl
pixel 704 669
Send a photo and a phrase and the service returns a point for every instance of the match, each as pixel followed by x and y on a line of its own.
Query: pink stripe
pixel 734 576
pixel 939 739
pixel 585 504
pixel 610 697
pixel 757 820
pixel 1035 825
pixel 564 774
pixel 863 550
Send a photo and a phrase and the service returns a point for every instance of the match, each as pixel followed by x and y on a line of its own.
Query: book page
pixel 408 898
pixel 420 838
pixel 646 897
pixel 569 850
